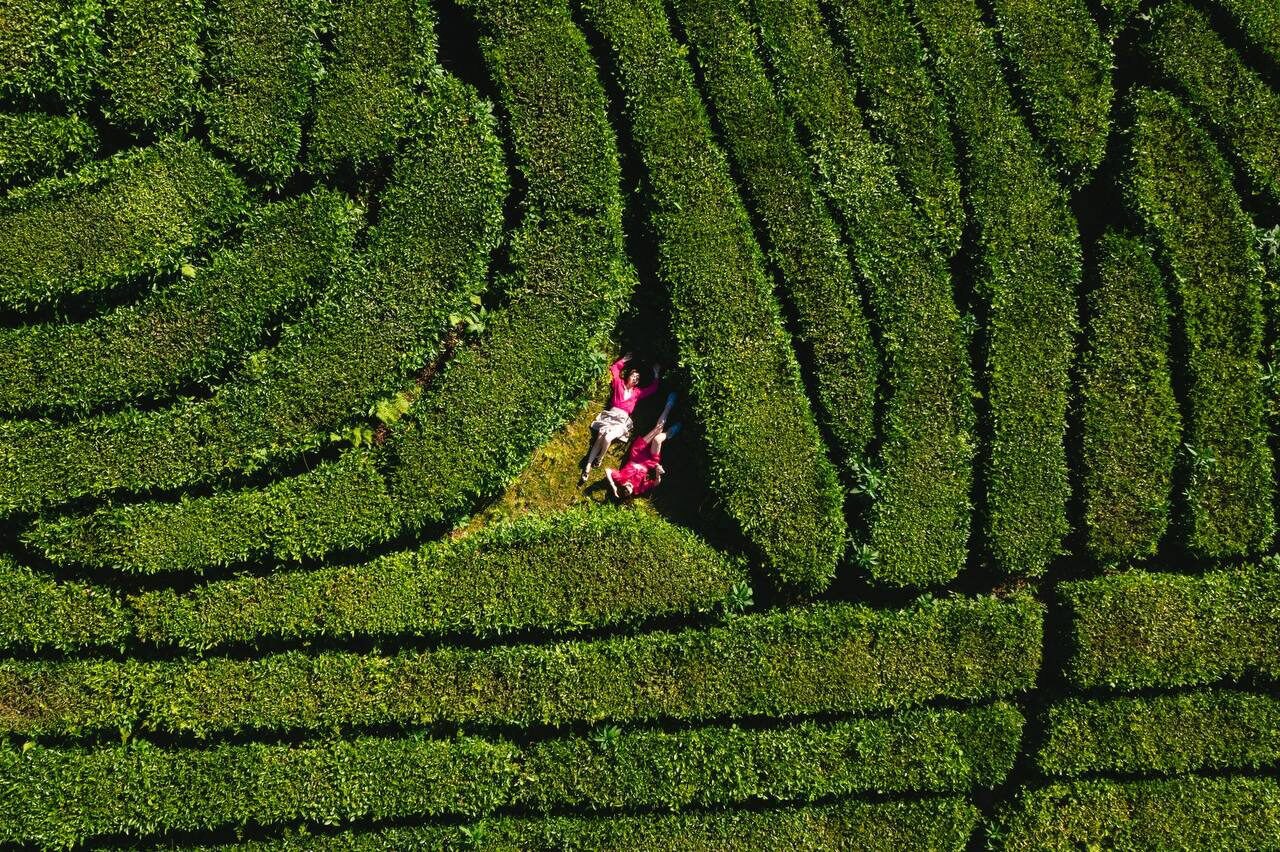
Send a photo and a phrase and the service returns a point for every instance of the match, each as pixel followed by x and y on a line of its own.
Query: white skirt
pixel 613 423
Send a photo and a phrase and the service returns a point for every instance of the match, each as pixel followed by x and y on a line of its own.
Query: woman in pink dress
pixel 614 423
pixel 643 469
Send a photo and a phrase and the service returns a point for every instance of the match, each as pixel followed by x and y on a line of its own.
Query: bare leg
pixel 655 445
pixel 598 449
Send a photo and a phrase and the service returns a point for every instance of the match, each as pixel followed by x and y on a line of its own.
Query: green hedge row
pixel 1167 734
pixel 186 330
pixel 134 213
pixel 34 145
pixel 440 218
pixel 828 658
pixel 1239 103
pixel 263 62
pixel 475 429
pixel 937 823
pixel 1182 813
pixel 1028 270
pixel 62 796
pixel 768 465
pixel 49 47
pixel 1260 20
pixel 557 573
pixel 336 506
pixel 1136 629
pixel 58 798
pixel 920 511
pixel 1180 187
pixel 923 750
pixel 381 51
pixel 153 61
pixel 1130 423
pixel 1063 64
pixel 804 242
pixel 887 57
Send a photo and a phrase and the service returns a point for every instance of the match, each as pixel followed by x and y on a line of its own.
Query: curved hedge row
pixel 1260 20
pixel 919 518
pixel 886 55
pixel 1181 189
pixel 35 145
pixel 474 427
pixel 803 240
pixel 827 658
pixel 557 574
pixel 188 329
pixel 939 823
pixel 768 466
pixel 137 212
pixel 1064 67
pixel 1028 272
pixel 1168 734
pixel 1182 813
pixel 153 61
pixel 1135 630
pixel 1129 418
pixel 381 52
pixel 264 60
pixel 49 47
pixel 336 506
pixel 440 218
pixel 67 800
pixel 1239 103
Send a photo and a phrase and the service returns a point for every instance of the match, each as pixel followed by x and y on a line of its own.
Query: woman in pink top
pixel 614 423
pixel 643 470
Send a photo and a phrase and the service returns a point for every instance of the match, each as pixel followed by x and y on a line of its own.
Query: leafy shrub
pixel 1130 419
pixel 805 243
pixel 137 212
pixel 768 466
pixel 366 777
pixel 1064 66
pixel 940 823
pixel 1164 733
pixel 49 47
pixel 381 52
pixel 1136 629
pixel 920 510
pixel 1182 813
pixel 440 218
pixel 1238 102
pixel 1028 268
pixel 557 574
pixel 1181 189
pixel 264 60
pixel 887 58
pixel 151 70
pixel 827 658
pixel 188 329
pixel 35 145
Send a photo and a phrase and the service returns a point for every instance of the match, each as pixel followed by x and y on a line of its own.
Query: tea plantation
pixel 972 308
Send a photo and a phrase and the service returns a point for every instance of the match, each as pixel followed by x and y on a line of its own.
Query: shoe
pixel 674 429
pixel 582 480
